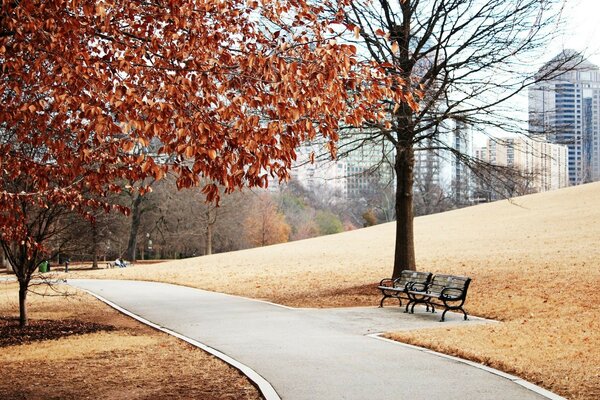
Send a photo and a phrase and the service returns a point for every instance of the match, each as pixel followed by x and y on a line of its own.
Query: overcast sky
pixel 582 29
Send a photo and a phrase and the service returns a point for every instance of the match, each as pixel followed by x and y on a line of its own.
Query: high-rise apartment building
pixel 369 167
pixel 362 171
pixel 437 163
pixel 566 110
pixel 544 164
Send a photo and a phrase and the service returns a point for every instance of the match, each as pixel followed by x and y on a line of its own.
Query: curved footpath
pixel 314 354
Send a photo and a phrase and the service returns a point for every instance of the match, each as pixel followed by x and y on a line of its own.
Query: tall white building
pixel 545 164
pixel 361 172
pixel 369 166
pixel 566 110
pixel 441 165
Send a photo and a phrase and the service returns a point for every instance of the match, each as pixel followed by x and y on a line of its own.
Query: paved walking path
pixel 314 354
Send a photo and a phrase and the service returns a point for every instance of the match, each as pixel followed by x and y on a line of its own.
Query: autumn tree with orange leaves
pixel 265 224
pixel 221 90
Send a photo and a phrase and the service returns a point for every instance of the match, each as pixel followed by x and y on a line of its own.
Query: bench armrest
pixel 446 290
pixel 416 286
pixel 387 282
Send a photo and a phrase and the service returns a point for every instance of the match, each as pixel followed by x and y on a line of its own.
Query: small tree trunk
pixel 404 256
pixel 208 245
pixel 136 212
pixel 23 319
pixel 94 246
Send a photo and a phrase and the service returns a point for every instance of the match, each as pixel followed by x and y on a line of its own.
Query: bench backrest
pixel 458 285
pixel 420 278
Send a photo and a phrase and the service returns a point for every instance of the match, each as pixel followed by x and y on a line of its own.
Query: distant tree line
pixel 167 223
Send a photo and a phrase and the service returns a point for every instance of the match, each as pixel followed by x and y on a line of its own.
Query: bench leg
pixel 414 301
pixel 444 315
pixel 454 308
pixel 412 309
pixel 382 300
pixel 387 296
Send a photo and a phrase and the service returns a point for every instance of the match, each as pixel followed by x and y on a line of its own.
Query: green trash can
pixel 43 266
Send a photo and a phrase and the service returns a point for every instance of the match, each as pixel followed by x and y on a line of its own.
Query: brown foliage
pixel 98 91
pixel 266 225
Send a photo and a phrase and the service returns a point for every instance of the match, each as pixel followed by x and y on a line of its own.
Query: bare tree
pixel 184 224
pixel 41 224
pixel 494 182
pixel 467 60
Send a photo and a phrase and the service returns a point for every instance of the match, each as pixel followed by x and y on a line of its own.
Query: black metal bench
pixel 398 288
pixel 448 291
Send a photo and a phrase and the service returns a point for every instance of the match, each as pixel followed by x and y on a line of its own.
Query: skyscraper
pixel 542 165
pixel 565 110
pixel 441 167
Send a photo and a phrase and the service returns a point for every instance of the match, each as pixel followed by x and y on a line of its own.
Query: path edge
pixel 263 386
pixel 515 379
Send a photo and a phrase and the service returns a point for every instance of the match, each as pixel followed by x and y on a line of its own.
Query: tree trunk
pixel 208 245
pixel 136 212
pixel 23 319
pixel 94 246
pixel 404 256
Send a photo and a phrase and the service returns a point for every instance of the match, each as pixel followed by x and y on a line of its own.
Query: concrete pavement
pixel 315 354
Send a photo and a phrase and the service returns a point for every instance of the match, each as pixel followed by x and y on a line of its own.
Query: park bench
pixel 398 288
pixel 448 291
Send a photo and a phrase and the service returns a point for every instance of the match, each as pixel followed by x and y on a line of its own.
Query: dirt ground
pixel 535 264
pixel 79 348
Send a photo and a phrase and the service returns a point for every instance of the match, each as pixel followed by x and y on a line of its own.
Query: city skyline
pixel 565 111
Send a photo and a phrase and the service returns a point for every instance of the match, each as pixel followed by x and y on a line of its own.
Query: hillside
pixel 535 264
pixel 559 228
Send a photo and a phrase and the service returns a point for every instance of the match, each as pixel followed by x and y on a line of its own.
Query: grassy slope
pixel 535 262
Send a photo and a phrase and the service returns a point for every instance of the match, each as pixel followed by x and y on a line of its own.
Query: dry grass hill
pixel 535 264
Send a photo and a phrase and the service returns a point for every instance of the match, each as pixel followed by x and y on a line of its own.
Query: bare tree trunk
pixel 136 212
pixel 263 240
pixel 208 245
pixel 94 246
pixel 23 319
pixel 404 255
pixel 211 219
